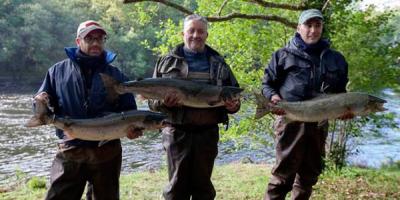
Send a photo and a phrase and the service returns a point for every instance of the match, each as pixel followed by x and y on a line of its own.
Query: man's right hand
pixel 172 100
pixel 274 100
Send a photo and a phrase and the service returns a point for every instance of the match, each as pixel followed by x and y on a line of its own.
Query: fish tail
pixel 376 99
pixel 38 121
pixel 262 106
pixel 111 86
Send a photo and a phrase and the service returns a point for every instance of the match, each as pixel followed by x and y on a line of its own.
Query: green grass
pixel 245 182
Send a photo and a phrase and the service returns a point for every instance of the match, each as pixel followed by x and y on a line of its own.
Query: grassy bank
pixel 246 182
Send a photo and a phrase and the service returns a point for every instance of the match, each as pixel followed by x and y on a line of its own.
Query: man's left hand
pixel 134 133
pixel 232 105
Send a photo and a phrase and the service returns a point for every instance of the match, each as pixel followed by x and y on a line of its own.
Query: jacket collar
pixel 294 48
pixel 178 51
pixel 71 53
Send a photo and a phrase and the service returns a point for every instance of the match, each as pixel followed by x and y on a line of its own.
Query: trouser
pixel 191 152
pixel 300 149
pixel 72 168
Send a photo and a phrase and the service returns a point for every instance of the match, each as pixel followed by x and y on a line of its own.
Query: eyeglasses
pixel 90 39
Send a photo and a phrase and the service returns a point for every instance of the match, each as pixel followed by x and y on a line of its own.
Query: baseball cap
pixel 309 14
pixel 88 26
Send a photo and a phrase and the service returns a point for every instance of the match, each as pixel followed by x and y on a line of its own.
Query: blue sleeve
pixel 48 86
pixel 126 101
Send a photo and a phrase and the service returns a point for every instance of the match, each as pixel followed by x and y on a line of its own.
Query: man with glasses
pixel 74 89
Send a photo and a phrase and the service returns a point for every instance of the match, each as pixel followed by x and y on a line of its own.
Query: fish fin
pixel 212 103
pixel 35 121
pixel 286 120
pixel 322 123
pixel 139 79
pixel 110 85
pixel 262 106
pixel 102 142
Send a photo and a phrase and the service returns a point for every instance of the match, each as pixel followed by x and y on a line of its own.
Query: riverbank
pixel 12 87
pixel 237 181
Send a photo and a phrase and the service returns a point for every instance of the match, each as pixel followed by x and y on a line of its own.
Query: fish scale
pixel 109 127
pixel 324 107
pixel 191 94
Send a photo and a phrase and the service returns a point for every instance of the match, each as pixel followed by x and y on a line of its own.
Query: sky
pixel 382 4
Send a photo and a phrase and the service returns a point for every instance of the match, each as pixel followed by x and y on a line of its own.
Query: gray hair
pixel 194 17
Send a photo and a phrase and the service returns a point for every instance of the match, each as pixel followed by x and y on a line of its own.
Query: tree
pixel 248 32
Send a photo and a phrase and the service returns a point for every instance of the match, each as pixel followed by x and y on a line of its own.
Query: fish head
pixel 375 104
pixel 230 92
pixel 155 120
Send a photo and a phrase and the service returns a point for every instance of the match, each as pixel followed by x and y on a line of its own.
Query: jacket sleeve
pixel 157 105
pixel 273 74
pixel 345 78
pixel 231 81
pixel 49 86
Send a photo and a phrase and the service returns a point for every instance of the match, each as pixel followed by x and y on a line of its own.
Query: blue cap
pixel 309 14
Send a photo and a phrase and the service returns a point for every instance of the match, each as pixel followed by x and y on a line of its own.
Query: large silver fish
pixel 191 94
pixel 324 107
pixel 109 127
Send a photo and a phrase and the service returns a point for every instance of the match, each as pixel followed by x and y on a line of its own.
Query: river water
pixel 383 148
pixel 31 151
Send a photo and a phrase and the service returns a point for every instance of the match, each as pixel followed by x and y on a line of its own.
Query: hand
pixel 346 116
pixel 68 135
pixel 274 100
pixel 134 133
pixel 232 105
pixel 140 97
pixel 172 100
pixel 43 96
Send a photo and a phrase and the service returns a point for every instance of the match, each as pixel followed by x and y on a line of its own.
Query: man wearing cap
pixel 304 68
pixel 74 89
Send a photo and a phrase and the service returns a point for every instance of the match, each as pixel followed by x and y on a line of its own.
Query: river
pixel 31 150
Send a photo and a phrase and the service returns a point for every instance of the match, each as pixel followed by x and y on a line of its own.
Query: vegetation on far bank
pixel 246 182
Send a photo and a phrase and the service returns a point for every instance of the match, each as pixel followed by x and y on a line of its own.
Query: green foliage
pixel 248 181
pixel 369 57
pixel 391 165
pixel 39 30
pixel 248 44
pixel 37 183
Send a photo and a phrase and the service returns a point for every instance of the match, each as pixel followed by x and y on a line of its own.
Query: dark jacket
pixel 174 65
pixel 292 74
pixel 71 98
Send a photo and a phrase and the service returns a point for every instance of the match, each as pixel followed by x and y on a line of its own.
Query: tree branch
pixel 228 17
pixel 167 3
pixel 279 5
pixel 246 16
pixel 222 7
pixel 325 5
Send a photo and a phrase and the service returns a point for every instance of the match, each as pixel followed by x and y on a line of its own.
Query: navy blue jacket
pixel 65 84
pixel 292 74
